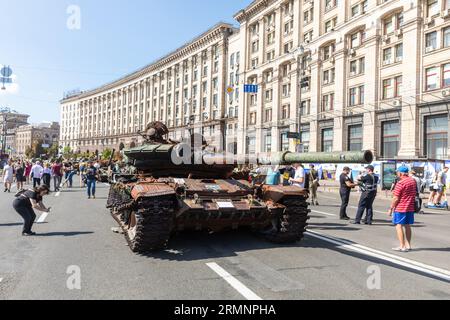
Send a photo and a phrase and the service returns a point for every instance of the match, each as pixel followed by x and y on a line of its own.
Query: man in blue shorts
pixel 403 208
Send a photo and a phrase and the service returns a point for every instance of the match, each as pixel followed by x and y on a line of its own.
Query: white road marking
pixel 410 264
pixel 235 283
pixel 58 194
pixel 324 213
pixel 1 279
pixel 42 217
pixel 106 184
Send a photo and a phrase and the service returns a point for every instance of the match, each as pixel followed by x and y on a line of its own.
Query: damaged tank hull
pixel 151 211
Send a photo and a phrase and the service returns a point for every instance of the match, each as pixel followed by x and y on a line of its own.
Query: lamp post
pixel 298 53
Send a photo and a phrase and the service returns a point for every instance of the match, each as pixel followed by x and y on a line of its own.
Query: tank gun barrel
pixel 286 158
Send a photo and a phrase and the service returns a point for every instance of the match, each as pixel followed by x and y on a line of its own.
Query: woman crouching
pixel 24 204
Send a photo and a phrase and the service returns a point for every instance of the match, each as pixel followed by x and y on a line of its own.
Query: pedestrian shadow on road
pixel 15 224
pixel 332 226
pixel 64 234
pixel 432 249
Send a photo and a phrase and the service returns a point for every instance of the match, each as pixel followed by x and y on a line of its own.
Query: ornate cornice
pixel 219 30
pixel 253 9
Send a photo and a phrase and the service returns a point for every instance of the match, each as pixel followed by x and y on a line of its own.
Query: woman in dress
pixel 20 174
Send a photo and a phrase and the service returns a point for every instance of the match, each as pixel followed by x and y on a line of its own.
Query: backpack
pixel 20 192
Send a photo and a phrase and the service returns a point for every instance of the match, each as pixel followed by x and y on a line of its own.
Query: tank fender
pixel 151 190
pixel 277 193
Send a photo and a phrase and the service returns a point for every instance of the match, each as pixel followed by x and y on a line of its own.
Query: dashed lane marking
pixel 399 261
pixel 235 283
pixel 42 217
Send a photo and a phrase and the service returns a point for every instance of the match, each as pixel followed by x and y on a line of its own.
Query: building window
pixel 390 140
pixel 328 102
pixel 431 41
pixel 432 78
pixel 284 141
pixel 268 115
pixel 436 136
pixel 446 75
pixel 399 52
pixel 285 112
pixel 304 139
pixel 433 8
pixel 387 56
pixel 352 97
pixel 446 36
pixel 268 142
pixel 398 86
pixel 327 140
pixel 251 145
pixel 355 138
pixel 305 107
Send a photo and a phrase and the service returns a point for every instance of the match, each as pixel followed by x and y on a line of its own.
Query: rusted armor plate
pixel 151 190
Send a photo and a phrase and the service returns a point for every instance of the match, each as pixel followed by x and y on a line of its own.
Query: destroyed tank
pixel 173 186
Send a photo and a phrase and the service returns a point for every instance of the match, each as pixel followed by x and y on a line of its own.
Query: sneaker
pixel 89 198
pixel 400 249
pixel 317 203
pixel 345 218
pixel 28 234
pixel 355 222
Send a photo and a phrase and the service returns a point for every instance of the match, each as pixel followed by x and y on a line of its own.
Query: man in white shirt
pixel 299 177
pixel 8 175
pixel 36 173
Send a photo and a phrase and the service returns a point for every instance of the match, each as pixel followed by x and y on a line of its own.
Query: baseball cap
pixel 372 168
pixel 403 169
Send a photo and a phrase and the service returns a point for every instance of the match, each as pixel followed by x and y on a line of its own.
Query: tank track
pixel 154 221
pixel 291 225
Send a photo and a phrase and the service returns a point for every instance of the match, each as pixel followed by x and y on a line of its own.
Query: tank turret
pixel 174 186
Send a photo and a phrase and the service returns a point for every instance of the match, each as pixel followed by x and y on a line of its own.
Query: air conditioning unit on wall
pixel 446 93
pixel 397 103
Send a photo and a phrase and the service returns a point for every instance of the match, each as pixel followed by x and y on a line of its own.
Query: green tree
pixel 37 148
pixel 67 152
pixel 29 152
pixel 106 154
pixel 53 151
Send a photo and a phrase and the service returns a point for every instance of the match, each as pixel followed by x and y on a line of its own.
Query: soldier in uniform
pixel 368 184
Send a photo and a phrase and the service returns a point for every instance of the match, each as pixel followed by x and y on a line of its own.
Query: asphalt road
pixel 334 261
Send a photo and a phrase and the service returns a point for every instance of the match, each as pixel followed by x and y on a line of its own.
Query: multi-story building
pixel 183 89
pixel 9 121
pixel 348 75
pixel 345 75
pixel 27 135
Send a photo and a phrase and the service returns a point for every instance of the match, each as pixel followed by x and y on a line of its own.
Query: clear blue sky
pixel 116 37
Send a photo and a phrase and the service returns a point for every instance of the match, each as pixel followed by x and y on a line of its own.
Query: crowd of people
pixel 35 179
pixel 406 194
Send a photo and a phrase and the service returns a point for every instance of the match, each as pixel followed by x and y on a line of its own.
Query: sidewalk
pixel 333 186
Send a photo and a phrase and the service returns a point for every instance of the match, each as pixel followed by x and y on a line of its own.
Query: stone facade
pixel 27 135
pixel 346 75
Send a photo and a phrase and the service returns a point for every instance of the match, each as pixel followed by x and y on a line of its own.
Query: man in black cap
pixel 347 185
pixel 368 184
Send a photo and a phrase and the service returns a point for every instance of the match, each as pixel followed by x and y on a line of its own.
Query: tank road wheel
pixel 151 224
pixel 291 225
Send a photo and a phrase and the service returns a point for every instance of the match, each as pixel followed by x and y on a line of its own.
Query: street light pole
pixel 299 53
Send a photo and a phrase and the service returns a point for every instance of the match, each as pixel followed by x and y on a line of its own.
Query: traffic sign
pixel 250 88
pixel 294 135
pixel 6 72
